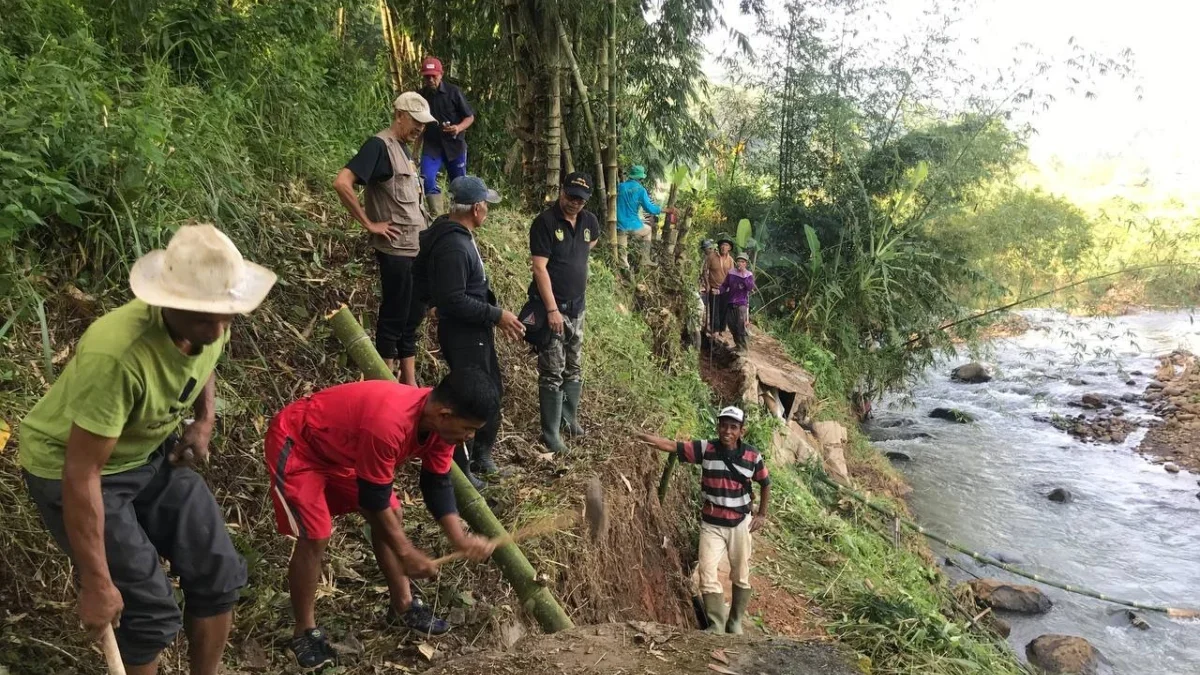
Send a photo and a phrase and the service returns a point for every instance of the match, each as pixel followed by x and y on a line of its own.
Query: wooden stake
pixel 108 642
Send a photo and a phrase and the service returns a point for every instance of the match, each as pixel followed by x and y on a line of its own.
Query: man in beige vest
pixel 395 215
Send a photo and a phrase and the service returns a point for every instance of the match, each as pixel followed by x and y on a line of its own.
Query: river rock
pixel 1155 384
pixel 971 373
pixel 895 434
pixel 1011 597
pixel 1092 401
pixel 1131 382
pixel 1129 398
pixel 1063 654
pixel 898 422
pixel 897 456
pixel 1076 382
pixel 1060 495
pixel 996 625
pixel 951 415
pixel 1171 467
pixel 832 437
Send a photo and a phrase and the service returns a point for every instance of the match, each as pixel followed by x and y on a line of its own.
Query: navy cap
pixel 472 190
pixel 578 185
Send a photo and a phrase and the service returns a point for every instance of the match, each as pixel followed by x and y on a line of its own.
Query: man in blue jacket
pixel 449 275
pixel 632 196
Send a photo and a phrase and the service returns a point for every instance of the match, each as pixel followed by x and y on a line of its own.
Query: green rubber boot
pixel 714 609
pixel 552 409
pixel 570 409
pixel 741 597
pixel 435 204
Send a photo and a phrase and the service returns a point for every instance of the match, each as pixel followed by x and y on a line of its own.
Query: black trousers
pixel 156 509
pixel 476 350
pixel 715 302
pixel 399 312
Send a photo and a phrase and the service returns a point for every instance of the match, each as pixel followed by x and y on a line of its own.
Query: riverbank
pixel 1174 396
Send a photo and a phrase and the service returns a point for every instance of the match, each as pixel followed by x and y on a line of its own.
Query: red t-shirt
pixel 366 429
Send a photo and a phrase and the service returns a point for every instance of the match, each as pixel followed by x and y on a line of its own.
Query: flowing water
pixel 1133 530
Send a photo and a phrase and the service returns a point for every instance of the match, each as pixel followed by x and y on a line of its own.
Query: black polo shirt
pixel 567 246
pixel 447 105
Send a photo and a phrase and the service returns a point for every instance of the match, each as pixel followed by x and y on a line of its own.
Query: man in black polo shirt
pixel 444 140
pixel 560 240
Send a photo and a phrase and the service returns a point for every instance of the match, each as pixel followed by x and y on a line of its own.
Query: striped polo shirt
pixel 726 494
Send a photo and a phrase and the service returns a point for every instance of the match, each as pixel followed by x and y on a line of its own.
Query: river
pixel 1133 530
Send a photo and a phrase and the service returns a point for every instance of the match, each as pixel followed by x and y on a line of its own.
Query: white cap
pixel 200 271
pixel 734 413
pixel 414 104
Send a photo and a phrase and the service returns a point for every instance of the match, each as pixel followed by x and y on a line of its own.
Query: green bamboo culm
pixel 1173 612
pixel 665 481
pixel 535 598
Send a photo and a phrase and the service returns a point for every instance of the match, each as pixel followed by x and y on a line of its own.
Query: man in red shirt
pixel 337 452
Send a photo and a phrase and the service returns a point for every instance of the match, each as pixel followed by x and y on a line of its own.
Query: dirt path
pixel 1175 396
pixel 640 648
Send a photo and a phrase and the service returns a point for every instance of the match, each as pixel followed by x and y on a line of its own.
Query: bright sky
pixel 1158 131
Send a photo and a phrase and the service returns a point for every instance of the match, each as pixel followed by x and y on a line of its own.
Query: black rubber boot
pixel 570 409
pixel 714 609
pixel 741 597
pixel 464 463
pixel 552 409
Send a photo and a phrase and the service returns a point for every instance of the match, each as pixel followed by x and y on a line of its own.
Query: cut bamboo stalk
pixel 535 598
pixel 613 151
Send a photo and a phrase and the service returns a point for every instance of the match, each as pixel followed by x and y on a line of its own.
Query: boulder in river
pixel 1060 495
pixel 971 373
pixel 1092 401
pixel 951 415
pixel 895 434
pixel 1063 654
pixel 1076 382
pixel 897 456
pixel 1171 467
pixel 1011 597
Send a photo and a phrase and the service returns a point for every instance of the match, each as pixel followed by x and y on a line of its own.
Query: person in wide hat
pixel 106 453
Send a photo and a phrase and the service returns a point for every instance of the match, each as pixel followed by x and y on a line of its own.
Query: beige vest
pixel 397 201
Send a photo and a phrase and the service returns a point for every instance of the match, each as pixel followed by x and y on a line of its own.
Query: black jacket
pixel 448 274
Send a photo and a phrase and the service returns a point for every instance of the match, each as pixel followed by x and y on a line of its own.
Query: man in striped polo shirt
pixel 728 466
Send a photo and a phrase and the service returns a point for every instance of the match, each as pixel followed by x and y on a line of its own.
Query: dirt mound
pixel 639 647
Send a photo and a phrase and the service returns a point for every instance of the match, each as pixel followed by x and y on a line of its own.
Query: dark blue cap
pixel 578 185
pixel 472 190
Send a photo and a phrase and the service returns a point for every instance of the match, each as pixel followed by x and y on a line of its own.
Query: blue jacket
pixel 630 196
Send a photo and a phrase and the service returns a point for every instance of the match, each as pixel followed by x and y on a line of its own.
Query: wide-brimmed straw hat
pixel 201 270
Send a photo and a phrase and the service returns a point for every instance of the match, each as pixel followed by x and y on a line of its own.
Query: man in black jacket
pixel 449 275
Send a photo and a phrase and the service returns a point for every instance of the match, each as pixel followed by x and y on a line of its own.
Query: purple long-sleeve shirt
pixel 737 287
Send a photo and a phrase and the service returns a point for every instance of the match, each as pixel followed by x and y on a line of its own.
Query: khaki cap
pixel 414 104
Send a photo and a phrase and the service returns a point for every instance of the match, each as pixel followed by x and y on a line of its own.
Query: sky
pixel 1158 131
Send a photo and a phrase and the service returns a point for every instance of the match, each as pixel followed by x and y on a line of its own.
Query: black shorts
pixel 151 511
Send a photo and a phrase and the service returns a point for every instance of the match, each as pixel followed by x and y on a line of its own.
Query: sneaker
pixel 420 618
pixel 312 650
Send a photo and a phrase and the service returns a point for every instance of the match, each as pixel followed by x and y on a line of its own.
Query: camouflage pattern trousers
pixel 562 359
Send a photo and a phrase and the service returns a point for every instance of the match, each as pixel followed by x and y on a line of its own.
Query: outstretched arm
pixel 658 442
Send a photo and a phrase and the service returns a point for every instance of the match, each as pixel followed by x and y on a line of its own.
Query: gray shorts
pixel 151 511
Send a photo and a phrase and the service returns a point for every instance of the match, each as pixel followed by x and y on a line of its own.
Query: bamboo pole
pixel 385 25
pixel 553 136
pixel 535 598
pixel 613 151
pixel 665 482
pixel 585 101
pixel 685 222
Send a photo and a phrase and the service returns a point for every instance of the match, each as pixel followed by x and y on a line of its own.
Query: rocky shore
pixel 1174 396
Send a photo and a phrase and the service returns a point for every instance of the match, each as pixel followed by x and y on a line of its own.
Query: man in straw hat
pixel 728 465
pixel 395 216
pixel 717 264
pixel 110 476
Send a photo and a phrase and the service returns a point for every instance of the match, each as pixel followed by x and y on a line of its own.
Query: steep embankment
pixel 823 567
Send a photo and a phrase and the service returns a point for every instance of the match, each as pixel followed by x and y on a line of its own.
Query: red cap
pixel 431 66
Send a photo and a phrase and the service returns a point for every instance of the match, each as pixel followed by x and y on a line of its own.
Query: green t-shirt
pixel 127 381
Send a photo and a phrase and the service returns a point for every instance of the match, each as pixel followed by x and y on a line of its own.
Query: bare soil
pixel 640 648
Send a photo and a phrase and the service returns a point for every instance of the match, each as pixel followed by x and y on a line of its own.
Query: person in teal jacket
pixel 632 196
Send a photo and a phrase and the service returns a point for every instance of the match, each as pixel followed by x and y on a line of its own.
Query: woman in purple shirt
pixel 736 289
